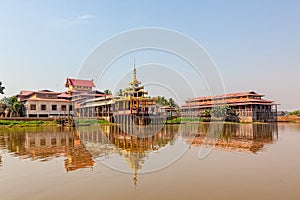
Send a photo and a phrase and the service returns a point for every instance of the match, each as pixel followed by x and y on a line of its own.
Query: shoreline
pixel 45 123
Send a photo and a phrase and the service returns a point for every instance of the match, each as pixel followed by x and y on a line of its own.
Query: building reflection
pixel 81 147
pixel 47 143
pixel 234 137
pixel 107 140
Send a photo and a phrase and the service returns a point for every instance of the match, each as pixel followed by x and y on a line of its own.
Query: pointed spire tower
pixel 134 72
pixel 134 83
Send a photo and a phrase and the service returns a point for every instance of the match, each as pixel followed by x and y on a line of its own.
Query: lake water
pixel 248 161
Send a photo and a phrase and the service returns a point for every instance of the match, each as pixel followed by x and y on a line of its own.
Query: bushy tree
pixel 163 101
pixel 206 113
pixel 224 112
pixel 296 112
pixel 15 107
pixel 172 103
pixel 1 88
pixel 107 91
pixel 119 92
pixel 219 111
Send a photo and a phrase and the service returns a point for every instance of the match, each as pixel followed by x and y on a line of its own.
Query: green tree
pixel 296 112
pixel 206 113
pixel 1 88
pixel 2 108
pixel 107 91
pixel 16 108
pixel 224 112
pixel 119 92
pixel 162 101
pixel 5 100
pixel 172 103
pixel 221 111
pixel 4 103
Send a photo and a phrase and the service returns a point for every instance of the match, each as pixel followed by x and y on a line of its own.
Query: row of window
pixel 46 95
pixel 82 87
pixel 220 99
pixel 53 107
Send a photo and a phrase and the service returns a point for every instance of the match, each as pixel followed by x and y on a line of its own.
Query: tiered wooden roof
pixel 241 98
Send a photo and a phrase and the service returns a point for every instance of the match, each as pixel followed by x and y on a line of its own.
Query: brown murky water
pixel 248 161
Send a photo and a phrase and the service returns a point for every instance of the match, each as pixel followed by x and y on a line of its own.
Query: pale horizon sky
pixel 254 44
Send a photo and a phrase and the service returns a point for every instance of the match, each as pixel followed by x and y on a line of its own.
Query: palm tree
pixel 162 101
pixel 119 92
pixel 172 103
pixel 1 88
pixel 107 91
pixel 16 107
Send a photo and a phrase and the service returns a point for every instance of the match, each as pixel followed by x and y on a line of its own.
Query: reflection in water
pixel 234 137
pixel 43 144
pixel 110 140
pixel 82 146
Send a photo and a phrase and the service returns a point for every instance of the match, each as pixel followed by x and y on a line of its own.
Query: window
pixel 43 107
pixel 63 141
pixel 70 107
pixel 32 107
pixel 32 143
pixel 41 95
pixel 53 141
pixel 54 107
pixel 63 107
pixel 43 142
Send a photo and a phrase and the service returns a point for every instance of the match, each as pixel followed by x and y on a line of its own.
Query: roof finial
pixel 134 72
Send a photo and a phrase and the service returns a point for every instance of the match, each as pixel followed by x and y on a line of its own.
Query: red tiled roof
pixel 25 93
pixel 224 99
pixel 239 94
pixel 80 82
pixel 64 95
pixel 233 102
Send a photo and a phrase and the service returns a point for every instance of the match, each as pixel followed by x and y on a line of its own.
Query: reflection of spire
pixel 78 156
pixel 135 161
pixel 135 177
pixel 135 150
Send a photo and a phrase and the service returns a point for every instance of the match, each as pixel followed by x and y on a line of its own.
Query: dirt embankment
pixel 289 118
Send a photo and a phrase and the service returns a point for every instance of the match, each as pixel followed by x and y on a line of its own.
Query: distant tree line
pixel 296 112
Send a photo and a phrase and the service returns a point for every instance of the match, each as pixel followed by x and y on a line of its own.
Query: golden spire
pixel 134 81
pixel 134 73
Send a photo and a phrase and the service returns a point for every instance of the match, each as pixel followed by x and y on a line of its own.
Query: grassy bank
pixel 37 123
pixel 92 121
pixel 34 123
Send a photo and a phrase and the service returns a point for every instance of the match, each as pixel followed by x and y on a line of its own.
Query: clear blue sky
pixel 255 44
